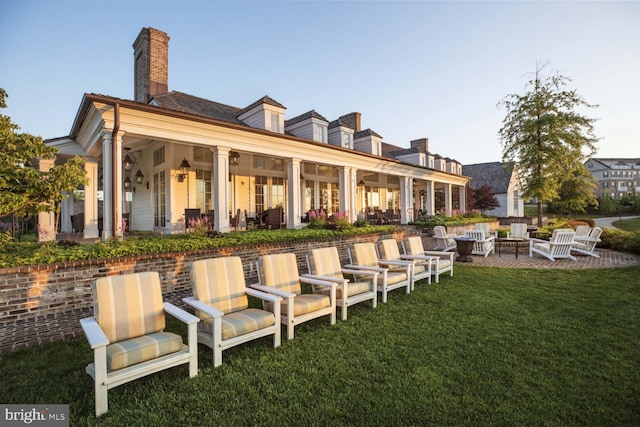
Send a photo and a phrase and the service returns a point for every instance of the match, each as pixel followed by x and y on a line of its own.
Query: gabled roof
pixel 366 132
pixel 340 122
pixel 264 100
pixel 302 117
pixel 186 103
pixel 495 174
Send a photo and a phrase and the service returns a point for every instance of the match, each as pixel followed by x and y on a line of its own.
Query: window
pixel 319 133
pixel 261 191
pixel 158 157
pixel 203 155
pixel 159 194
pixel 309 196
pixel 347 140
pixel 275 122
pixel 277 192
pixel 203 190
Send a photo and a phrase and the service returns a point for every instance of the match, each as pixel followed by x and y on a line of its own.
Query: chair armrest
pixel 326 278
pixel 94 333
pixel 359 272
pixel 366 268
pixel 395 262
pixel 534 240
pixel 205 308
pixel 180 314
pixel 272 291
pixel 489 239
pixel 263 295
pixel 418 257
pixel 308 279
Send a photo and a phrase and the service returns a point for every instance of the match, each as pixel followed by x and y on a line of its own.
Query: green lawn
pixel 486 347
pixel 628 224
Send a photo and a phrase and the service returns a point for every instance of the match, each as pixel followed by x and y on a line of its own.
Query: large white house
pixel 156 160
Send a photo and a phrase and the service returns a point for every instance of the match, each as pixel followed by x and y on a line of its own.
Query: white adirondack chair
pixel 484 245
pixel 518 231
pixel 438 262
pixel 445 241
pixel 558 247
pixel 587 246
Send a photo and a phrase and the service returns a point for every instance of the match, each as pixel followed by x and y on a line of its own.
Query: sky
pixel 413 69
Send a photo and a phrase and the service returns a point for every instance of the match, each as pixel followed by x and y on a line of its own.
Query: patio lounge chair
pixel 484 226
pixel 445 241
pixel 441 262
pixel 364 256
pixel 324 264
pixel 127 333
pixel 484 245
pixel 220 297
pixel 558 247
pixel 518 231
pixel 582 233
pixel 278 274
pixel 587 246
pixel 388 251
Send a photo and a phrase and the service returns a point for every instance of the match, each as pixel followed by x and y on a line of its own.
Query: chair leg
pixel 217 340
pixel 343 309
pixel 100 366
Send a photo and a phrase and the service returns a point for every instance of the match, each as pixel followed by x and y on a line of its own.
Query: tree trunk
pixel 539 213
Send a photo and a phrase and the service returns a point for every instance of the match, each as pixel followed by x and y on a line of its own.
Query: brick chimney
pixel 151 64
pixel 421 144
pixel 352 120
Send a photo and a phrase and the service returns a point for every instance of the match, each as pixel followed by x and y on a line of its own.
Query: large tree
pixel 543 129
pixel 577 188
pixel 24 189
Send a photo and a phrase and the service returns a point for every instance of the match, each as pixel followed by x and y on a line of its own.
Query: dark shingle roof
pixel 302 117
pixel 190 104
pixel 495 174
pixel 264 100
pixel 340 122
pixel 366 132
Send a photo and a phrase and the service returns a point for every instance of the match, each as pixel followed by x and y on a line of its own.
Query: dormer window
pixel 319 133
pixel 275 122
pixel 347 140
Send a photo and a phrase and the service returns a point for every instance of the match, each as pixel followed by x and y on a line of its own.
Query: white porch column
pixel 118 194
pixel 294 200
pixel 91 199
pixel 406 200
pixel 353 199
pixel 431 200
pixel 107 186
pixel 221 189
pixel 447 199
pixel 463 198
pixel 46 220
pixel 346 184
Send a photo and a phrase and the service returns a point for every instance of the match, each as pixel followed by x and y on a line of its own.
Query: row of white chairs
pixel 127 332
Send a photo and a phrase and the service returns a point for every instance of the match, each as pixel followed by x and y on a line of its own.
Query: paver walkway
pixel 507 259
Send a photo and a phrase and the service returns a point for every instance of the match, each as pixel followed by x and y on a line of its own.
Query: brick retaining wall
pixel 40 304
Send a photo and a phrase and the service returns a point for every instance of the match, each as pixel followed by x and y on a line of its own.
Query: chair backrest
pixel 128 306
pixel 439 232
pixel 364 254
pixel 325 262
pixel 388 249
pixel 475 234
pixel 564 231
pixel 280 271
pixel 413 245
pixel 594 238
pixel 561 242
pixel 219 282
pixel 583 231
pixel 519 230
pixel 482 226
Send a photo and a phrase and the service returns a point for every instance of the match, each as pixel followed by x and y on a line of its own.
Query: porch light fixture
pixel 127 183
pixel 184 170
pixel 139 176
pixel 127 162
pixel 361 183
pixel 234 158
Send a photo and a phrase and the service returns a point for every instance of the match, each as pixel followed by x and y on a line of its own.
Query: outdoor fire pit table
pixel 465 247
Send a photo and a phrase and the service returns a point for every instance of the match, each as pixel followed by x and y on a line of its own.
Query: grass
pixel 487 347
pixel 628 224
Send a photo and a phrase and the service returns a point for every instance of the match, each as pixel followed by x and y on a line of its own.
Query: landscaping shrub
pixel 620 240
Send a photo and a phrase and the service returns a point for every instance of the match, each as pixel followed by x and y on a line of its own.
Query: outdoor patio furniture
pixel 484 226
pixel 464 248
pixel 587 246
pixel 324 264
pixel 582 233
pixel 364 256
pixel 388 251
pixel 509 241
pixel 127 333
pixel 558 247
pixel 220 298
pixel 483 245
pixel 444 241
pixel 278 274
pixel 519 230
pixel 441 262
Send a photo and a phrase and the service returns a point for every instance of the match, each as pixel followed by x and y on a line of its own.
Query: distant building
pixel 616 177
pixel 504 182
